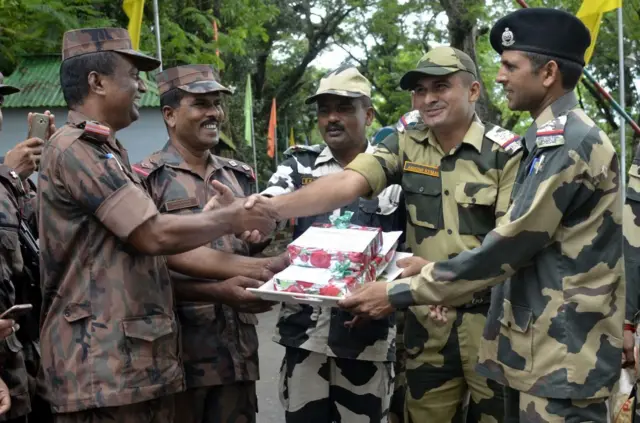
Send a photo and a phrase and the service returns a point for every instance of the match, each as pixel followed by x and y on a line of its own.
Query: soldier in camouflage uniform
pixel 554 330
pixel 457 175
pixel 109 337
pixel 19 352
pixel 631 230
pixel 219 344
pixel 331 372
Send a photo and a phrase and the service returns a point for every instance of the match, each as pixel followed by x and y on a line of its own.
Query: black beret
pixel 542 30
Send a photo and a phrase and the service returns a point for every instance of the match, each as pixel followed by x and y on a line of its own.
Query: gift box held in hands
pixel 335 282
pixel 323 246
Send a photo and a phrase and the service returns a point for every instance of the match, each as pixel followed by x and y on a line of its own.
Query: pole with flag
pixel 591 13
pixel 248 126
pixel 156 19
pixel 271 137
pixel 134 9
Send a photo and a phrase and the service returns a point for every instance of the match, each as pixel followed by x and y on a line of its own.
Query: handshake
pixel 253 218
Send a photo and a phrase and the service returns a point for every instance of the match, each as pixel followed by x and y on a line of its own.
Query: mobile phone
pixel 16 311
pixel 39 126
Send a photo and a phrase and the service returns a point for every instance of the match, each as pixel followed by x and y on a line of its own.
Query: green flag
pixel 248 112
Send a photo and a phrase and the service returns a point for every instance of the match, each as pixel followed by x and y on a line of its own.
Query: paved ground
pixel 270 410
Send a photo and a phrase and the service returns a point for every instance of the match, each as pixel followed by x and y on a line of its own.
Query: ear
pixel 369 117
pixel 169 115
pixel 550 74
pixel 474 91
pixel 97 83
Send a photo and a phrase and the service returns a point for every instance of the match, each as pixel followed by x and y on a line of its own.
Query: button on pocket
pixel 476 207
pixel 424 199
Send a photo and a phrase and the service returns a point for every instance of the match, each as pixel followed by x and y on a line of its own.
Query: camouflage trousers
pixel 315 388
pixel 232 403
pixel 159 410
pixel 396 408
pixel 521 407
pixel 441 361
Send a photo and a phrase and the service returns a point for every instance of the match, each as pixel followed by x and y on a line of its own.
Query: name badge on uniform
pixel 412 167
pixel 307 181
pixel 182 203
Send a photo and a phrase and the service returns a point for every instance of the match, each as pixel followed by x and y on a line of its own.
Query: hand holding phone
pixel 16 311
pixel 39 126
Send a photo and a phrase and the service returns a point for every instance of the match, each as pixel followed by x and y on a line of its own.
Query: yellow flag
pixel 590 14
pixel 133 9
pixel 292 140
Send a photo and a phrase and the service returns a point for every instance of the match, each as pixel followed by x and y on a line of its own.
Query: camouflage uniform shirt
pixel 321 329
pixel 109 337
pixel 631 228
pixel 219 345
pixel 13 357
pixel 554 329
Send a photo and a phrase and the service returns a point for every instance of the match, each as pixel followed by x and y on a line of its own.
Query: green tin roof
pixel 38 78
pixel 39 81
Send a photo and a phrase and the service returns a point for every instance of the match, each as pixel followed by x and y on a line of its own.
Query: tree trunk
pixel 462 35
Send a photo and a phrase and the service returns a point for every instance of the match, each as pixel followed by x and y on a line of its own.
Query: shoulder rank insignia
pixel 551 134
pixel 95 132
pixel 315 149
pixel 509 141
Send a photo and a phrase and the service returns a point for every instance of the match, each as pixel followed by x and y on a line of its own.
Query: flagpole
pixel 156 17
pixel 623 138
pixel 253 142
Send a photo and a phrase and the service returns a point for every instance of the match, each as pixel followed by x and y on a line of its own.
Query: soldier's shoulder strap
pixel 238 166
pixel 315 149
pixel 509 141
pixel 93 132
pixel 149 165
pixel 551 134
pixel 10 179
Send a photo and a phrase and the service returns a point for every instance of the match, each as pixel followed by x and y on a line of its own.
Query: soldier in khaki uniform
pixel 109 338
pixel 457 174
pixel 219 343
pixel 554 330
pixel 331 372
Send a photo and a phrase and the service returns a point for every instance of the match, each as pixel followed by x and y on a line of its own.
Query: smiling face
pixel 445 101
pixel 342 121
pixel 196 121
pixel 121 93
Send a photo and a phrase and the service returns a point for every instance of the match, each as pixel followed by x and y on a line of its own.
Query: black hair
pixel 569 70
pixel 172 98
pixel 74 74
pixel 365 102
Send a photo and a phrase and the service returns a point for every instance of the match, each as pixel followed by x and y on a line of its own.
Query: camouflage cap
pixel 345 81
pixel 439 61
pixel 6 89
pixel 194 79
pixel 91 40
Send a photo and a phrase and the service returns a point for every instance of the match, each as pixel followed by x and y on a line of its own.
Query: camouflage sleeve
pixel 565 179
pixel 505 186
pixel 631 230
pixel 10 255
pixel 381 168
pixel 98 182
pixel 285 180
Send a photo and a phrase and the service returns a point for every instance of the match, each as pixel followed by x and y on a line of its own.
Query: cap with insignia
pixel 6 89
pixel 541 30
pixel 194 79
pixel 92 40
pixel 346 81
pixel 439 61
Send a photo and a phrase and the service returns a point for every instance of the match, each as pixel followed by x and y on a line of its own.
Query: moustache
pixel 334 127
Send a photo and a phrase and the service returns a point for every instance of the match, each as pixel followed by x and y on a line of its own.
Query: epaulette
pixel 509 141
pixel 410 120
pixel 94 132
pixel 551 134
pixel 149 165
pixel 12 180
pixel 238 166
pixel 314 149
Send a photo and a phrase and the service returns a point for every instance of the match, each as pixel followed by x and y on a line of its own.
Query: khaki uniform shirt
pixel 109 336
pixel 554 329
pixel 219 345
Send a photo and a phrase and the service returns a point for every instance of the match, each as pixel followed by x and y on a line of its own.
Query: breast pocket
pixel 476 207
pixel 423 197
pixel 149 337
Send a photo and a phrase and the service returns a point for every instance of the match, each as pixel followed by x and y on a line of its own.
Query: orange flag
pixel 271 138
